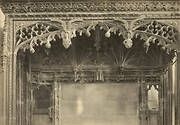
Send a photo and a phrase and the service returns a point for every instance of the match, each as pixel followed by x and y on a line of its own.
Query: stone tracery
pixel 150 31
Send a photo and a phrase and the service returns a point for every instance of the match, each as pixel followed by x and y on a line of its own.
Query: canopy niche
pixel 87 52
pixel 58 54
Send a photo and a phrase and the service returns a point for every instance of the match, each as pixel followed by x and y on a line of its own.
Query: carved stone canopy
pixel 99 48
pixel 66 21
pixel 91 59
pixel 44 33
pixel 86 41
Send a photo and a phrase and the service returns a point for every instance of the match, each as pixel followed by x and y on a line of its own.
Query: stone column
pixel 1 80
pixel 1 98
pixel 178 91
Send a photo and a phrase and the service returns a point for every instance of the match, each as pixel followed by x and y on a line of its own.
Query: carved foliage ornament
pixel 44 33
pixel 101 6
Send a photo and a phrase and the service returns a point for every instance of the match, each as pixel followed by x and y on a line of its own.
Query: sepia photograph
pixel 89 62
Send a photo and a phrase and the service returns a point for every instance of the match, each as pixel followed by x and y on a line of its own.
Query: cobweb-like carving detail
pixel 150 31
pixel 32 33
pixel 41 33
pixel 156 32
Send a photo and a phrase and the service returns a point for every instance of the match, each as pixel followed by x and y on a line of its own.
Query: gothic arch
pixel 150 31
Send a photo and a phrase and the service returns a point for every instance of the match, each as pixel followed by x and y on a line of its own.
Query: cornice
pixel 105 6
pixel 90 74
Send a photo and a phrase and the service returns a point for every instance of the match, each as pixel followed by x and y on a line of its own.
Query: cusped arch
pixel 149 30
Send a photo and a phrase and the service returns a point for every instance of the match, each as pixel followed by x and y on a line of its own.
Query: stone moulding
pixel 89 75
pixel 105 6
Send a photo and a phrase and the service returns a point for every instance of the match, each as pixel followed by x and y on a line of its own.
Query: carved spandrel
pixel 159 29
pixel 23 24
pixel 32 32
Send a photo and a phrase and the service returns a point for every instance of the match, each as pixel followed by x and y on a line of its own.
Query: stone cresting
pixel 106 6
